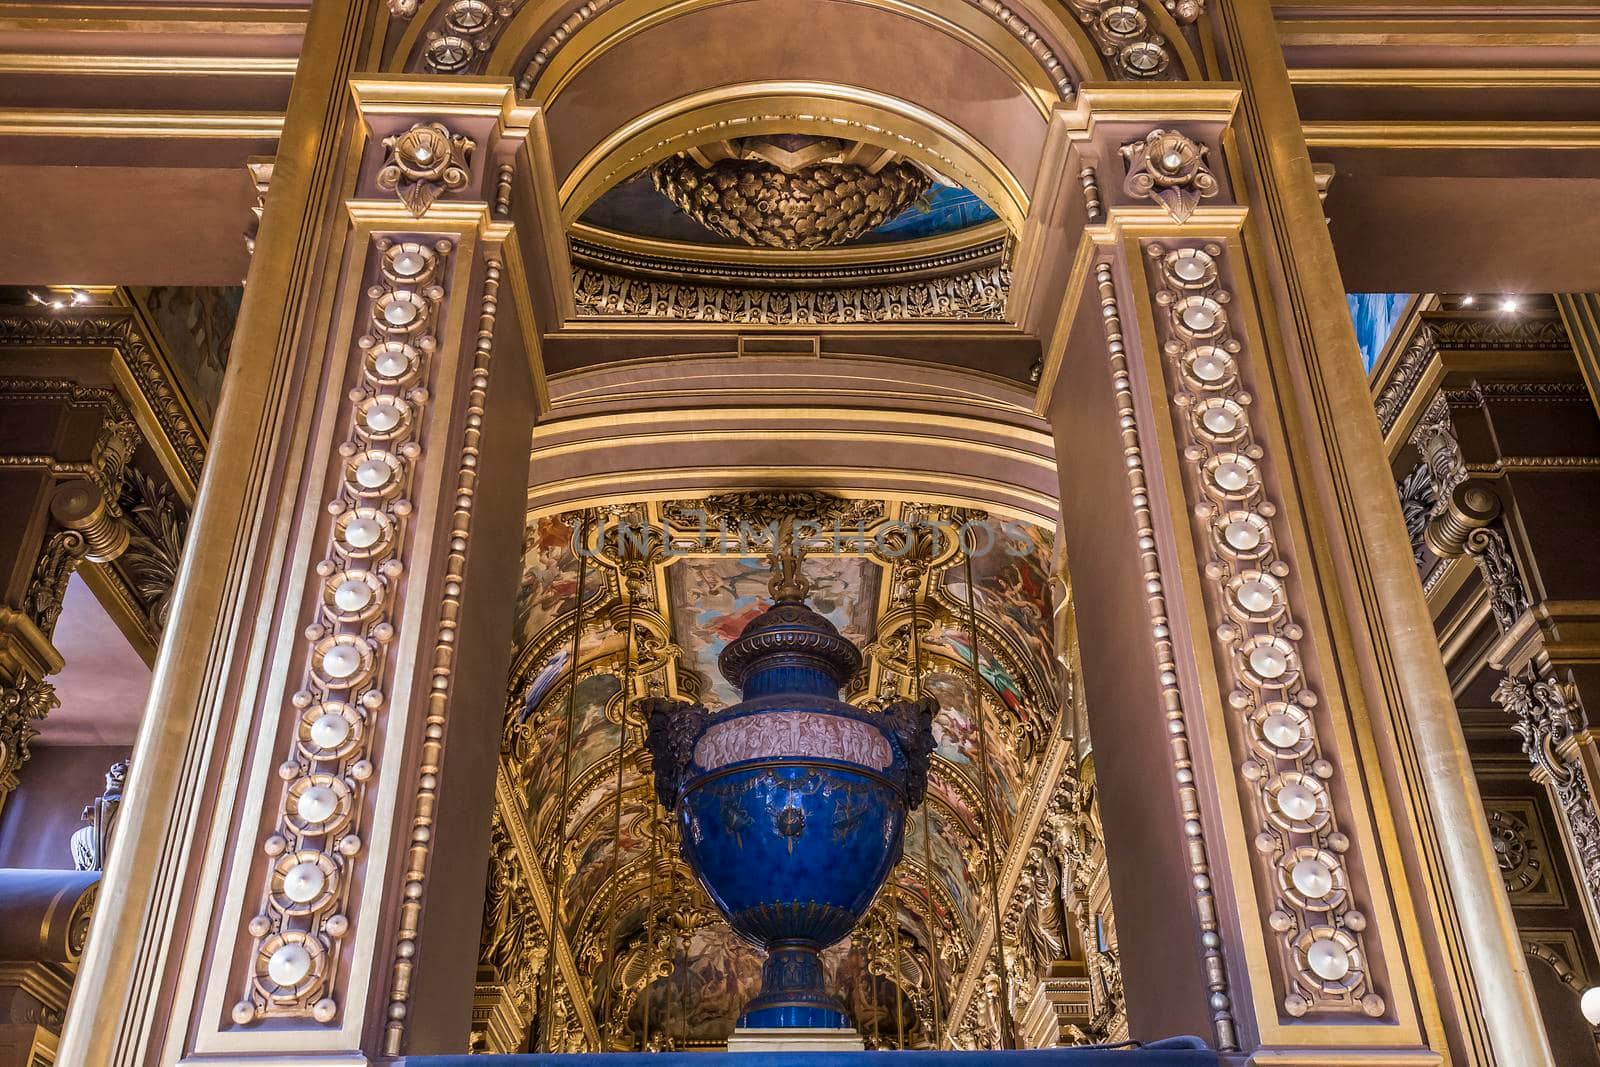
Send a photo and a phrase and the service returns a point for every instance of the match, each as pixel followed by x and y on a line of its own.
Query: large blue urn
pixel 791 805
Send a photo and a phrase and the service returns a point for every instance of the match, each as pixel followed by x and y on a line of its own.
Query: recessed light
pixel 1468 300
pixel 1510 303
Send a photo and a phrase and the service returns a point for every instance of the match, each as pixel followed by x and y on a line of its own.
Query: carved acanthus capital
pixel 425 162
pixel 1435 439
pixel 1464 523
pixel 1544 717
pixel 1170 168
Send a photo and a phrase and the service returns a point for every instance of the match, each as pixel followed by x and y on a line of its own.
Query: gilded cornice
pixel 972 296
pixel 98 122
pixel 693 269
pixel 150 376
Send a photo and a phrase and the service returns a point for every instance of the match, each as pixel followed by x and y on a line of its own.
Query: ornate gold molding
pixel 146 369
pixel 971 296
pixel 776 107
pixel 684 263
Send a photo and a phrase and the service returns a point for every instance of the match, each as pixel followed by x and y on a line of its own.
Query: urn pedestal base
pixel 795 1039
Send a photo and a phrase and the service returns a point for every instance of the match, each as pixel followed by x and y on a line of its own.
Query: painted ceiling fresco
pixel 647 946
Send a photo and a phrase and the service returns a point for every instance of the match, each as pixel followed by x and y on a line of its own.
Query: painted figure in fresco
pixel 549 575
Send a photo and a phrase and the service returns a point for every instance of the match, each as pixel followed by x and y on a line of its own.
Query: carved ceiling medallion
pixel 790 191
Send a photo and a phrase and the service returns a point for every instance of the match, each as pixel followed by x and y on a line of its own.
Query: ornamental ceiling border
pixel 1139 40
pixel 153 393
pixel 685 264
pixel 977 296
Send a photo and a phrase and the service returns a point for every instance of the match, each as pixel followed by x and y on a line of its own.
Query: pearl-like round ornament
pixel 408 264
pixel 1211 365
pixel 1219 419
pixel 392 362
pixel 316 804
pixel 352 594
pixel 1297 802
pixel 1254 595
pixel 1231 475
pixel 1280 730
pixel 1268 661
pixel 341 661
pixel 330 730
pixel 1201 315
pixel 373 473
pixel 289 964
pixel 362 532
pixel 400 313
pixel 1312 878
pixel 304 882
pixel 1242 536
pixel 1328 959
pixel 382 417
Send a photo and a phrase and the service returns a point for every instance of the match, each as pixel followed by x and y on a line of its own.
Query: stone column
pixel 1285 784
pixel 325 711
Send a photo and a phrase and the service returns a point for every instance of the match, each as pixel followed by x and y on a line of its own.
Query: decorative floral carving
pixel 22 703
pixel 674 726
pixel 973 296
pixel 1127 38
pixel 1435 439
pixel 1490 552
pixel 1414 360
pixel 1169 168
pixel 1518 852
pixel 158 525
pixel 1185 12
pixel 1518 333
pixel 63 551
pixel 1544 720
pixel 1417 501
pixel 765 205
pixel 425 162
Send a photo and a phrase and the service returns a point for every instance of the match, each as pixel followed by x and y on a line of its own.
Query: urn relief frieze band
pixel 1270 671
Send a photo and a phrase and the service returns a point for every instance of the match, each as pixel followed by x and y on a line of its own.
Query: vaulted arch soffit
pixel 626 83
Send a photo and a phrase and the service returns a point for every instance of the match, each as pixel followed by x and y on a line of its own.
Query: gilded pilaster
pixel 287 805
pixel 1302 871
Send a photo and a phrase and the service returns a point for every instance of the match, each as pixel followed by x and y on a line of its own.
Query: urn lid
pixel 789 634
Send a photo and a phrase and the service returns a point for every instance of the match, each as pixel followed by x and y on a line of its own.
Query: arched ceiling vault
pixel 617 877
pixel 832 126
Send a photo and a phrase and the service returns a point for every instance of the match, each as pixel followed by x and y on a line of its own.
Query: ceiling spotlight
pixel 1510 303
pixel 1468 300
pixel 1590 1005
pixel 57 301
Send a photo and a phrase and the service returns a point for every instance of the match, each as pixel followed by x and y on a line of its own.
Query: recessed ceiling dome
pixel 790 192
